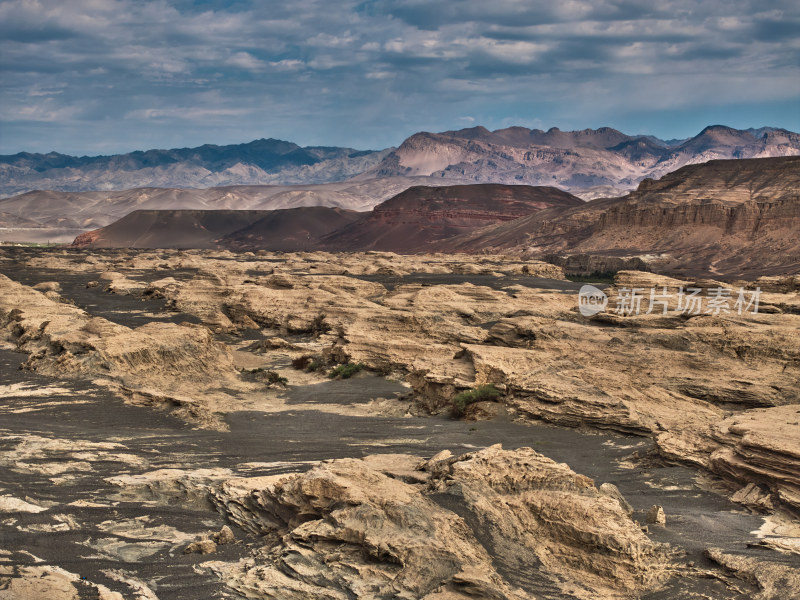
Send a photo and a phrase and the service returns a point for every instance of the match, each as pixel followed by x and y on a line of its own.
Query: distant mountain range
pixel 723 218
pixel 589 163
pixel 261 162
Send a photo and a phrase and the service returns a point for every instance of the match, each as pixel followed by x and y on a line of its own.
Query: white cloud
pixel 185 113
pixel 37 91
pixel 514 52
pixel 245 60
pixel 45 111
pixel 325 40
pixel 287 65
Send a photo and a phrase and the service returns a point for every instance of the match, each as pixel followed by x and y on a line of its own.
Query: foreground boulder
pixel 489 524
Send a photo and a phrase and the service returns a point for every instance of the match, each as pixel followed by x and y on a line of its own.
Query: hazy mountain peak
pixel 468 132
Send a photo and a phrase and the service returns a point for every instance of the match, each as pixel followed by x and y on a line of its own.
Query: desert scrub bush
pixel 478 394
pixel 345 371
pixel 271 377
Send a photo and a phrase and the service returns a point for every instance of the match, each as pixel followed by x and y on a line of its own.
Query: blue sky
pixel 107 76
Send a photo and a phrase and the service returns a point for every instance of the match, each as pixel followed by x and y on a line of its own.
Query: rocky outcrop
pixel 85 240
pixel 672 376
pixel 33 582
pixel 392 526
pixel 63 340
pixel 714 390
pixel 661 375
pixel 592 264
pixel 761 450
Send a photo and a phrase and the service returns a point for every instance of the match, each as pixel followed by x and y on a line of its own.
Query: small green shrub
pixel 271 377
pixel 345 371
pixel 478 394
pixel 593 277
pixel 314 365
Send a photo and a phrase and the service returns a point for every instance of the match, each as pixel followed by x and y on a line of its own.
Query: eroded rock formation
pixel 392 526
pixel 158 363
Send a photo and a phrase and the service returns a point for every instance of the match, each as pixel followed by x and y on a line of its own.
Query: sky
pixel 91 77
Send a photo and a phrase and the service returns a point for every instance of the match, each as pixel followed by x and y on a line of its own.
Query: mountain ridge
pixel 259 162
pixel 588 162
pixel 286 229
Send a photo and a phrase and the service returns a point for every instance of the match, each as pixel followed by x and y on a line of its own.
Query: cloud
pixel 44 111
pixel 245 60
pixel 287 65
pixel 369 72
pixel 186 113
